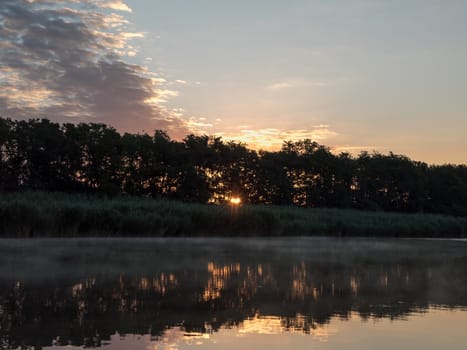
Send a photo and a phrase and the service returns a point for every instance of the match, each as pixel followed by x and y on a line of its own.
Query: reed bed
pixel 40 214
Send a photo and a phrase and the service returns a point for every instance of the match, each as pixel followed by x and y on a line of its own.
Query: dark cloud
pixel 65 60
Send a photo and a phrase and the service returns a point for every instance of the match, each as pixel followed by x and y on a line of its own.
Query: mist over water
pixel 176 293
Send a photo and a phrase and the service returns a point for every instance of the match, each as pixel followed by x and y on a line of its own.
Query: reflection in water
pixel 219 275
pixel 188 292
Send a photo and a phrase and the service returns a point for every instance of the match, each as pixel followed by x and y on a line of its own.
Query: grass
pixel 39 214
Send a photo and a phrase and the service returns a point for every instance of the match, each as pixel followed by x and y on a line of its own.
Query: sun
pixel 235 200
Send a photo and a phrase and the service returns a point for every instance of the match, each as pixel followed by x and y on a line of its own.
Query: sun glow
pixel 273 138
pixel 235 200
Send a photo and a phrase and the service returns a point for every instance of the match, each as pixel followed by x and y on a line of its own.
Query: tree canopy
pixel 93 158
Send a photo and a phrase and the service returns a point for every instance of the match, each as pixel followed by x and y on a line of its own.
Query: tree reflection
pixel 301 296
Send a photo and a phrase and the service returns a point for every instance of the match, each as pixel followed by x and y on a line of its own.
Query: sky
pixel 350 74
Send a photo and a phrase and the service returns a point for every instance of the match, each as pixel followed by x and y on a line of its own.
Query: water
pixel 254 294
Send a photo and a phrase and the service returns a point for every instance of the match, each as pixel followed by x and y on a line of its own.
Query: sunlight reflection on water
pixel 257 294
pixel 437 329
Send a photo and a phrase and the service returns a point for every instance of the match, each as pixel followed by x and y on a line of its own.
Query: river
pixel 276 293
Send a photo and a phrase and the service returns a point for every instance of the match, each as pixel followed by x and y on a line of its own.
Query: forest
pixel 94 159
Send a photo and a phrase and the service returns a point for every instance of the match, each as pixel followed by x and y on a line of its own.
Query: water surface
pixel 221 293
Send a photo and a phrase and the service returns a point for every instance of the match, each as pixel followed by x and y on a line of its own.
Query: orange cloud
pixel 272 138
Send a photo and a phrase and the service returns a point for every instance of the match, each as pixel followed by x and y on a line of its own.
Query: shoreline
pixel 41 214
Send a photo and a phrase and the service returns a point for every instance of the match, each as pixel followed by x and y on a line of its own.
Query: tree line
pixel 93 158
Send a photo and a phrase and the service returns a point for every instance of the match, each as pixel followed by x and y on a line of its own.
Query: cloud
pixel 354 149
pixel 287 84
pixel 116 5
pixel 199 125
pixel 280 85
pixel 272 138
pixel 64 60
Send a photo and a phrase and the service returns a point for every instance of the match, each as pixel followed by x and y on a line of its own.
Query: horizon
pixel 352 75
pixel 336 151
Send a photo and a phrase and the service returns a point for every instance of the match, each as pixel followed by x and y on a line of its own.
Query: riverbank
pixel 39 214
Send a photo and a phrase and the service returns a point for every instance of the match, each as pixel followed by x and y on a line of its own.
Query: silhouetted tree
pixel 94 158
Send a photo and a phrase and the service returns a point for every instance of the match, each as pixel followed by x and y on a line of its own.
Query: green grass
pixel 42 214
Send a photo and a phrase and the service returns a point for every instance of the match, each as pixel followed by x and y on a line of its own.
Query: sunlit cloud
pixel 65 60
pixel 114 20
pixel 354 149
pixel 128 35
pixel 116 5
pixel 163 96
pixel 280 85
pixel 273 138
pixel 199 125
pixel 287 84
